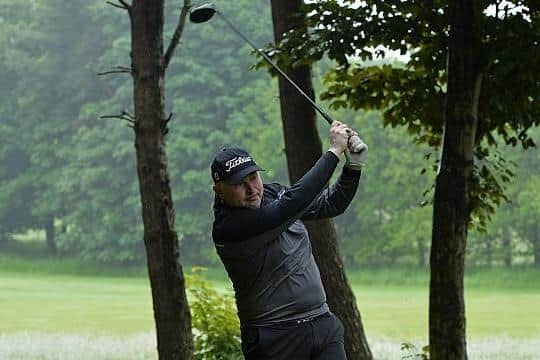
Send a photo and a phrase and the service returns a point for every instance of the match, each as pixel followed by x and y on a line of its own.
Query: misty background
pixel 73 274
pixel 68 177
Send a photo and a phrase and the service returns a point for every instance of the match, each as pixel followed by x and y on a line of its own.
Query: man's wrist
pixel 336 152
pixel 349 169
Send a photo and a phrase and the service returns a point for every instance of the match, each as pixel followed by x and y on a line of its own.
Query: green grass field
pixel 64 300
pixel 113 305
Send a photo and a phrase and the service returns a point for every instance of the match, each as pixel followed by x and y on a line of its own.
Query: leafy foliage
pixel 216 328
pixel 353 34
pixel 57 156
pixel 413 352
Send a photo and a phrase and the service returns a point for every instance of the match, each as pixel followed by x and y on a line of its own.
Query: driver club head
pixel 202 13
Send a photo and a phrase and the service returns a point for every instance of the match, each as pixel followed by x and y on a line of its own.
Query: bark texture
pixel 451 205
pixel 50 235
pixel 536 246
pixel 303 149
pixel 171 310
pixel 507 246
pixel 489 240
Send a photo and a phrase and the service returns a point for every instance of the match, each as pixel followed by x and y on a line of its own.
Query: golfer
pixel 261 240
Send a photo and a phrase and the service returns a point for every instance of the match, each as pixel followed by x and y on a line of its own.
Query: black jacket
pixel 266 251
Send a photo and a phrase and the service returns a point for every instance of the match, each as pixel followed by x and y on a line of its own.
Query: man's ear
pixel 217 189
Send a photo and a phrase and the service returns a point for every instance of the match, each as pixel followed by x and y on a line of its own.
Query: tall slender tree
pixel 303 148
pixel 491 49
pixel 148 66
pixel 452 185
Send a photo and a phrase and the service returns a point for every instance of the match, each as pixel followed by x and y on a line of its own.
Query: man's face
pixel 248 193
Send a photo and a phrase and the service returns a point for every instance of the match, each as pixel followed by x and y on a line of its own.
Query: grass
pixel 518 277
pixel 401 312
pixel 32 257
pixel 42 346
pixel 25 346
pixel 122 305
pixel 49 306
pixel 74 304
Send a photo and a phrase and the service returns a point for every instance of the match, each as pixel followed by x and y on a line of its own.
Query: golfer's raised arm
pixel 246 223
pixel 334 200
pixel 290 204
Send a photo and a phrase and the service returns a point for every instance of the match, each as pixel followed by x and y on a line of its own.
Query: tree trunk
pixel 171 310
pixel 421 252
pixel 507 246
pixel 451 204
pixel 340 296
pixel 50 234
pixel 303 148
pixel 536 246
pixel 489 249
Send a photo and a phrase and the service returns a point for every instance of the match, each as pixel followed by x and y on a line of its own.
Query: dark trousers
pixel 318 339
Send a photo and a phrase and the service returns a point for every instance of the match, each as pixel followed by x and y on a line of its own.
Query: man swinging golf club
pixel 261 240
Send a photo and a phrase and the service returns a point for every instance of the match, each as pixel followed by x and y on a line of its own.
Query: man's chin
pixel 255 204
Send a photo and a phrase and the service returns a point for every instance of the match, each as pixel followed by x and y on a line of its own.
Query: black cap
pixel 232 165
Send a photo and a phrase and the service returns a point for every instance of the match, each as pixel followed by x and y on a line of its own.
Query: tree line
pixel 71 173
pixel 450 95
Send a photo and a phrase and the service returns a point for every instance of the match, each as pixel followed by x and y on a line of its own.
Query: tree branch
pixel 122 116
pixel 123 5
pixel 127 6
pixel 127 114
pixel 168 118
pixel 114 72
pixel 117 69
pixel 165 127
pixel 177 34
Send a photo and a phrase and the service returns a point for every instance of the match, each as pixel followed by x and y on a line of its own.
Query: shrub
pixel 412 351
pixel 216 329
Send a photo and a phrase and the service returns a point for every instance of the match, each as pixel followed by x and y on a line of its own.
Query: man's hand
pixel 339 137
pixel 356 152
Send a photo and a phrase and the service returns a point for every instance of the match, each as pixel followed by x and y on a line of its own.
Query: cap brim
pixel 237 177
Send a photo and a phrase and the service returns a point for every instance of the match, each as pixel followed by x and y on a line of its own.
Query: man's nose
pixel 249 188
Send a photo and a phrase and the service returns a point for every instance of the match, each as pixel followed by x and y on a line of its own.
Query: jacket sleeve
pixel 260 225
pixel 334 200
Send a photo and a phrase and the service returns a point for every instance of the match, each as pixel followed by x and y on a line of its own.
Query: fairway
pixel 74 304
pixel 401 313
pixel 63 316
pixel 122 306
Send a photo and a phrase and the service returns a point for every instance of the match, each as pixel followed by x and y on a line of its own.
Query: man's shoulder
pixel 273 190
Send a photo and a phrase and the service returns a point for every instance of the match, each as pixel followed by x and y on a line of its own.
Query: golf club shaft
pixel 267 58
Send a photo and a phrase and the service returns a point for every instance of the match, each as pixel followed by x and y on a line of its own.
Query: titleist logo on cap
pixel 234 162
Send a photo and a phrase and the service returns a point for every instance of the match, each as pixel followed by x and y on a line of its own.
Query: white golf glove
pixel 356 153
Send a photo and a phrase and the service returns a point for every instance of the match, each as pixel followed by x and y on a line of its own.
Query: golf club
pixel 206 11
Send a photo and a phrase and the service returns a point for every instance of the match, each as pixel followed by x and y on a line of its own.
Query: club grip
pixel 356 145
